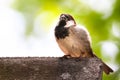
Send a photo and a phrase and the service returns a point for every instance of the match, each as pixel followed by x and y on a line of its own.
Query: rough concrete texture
pixel 50 68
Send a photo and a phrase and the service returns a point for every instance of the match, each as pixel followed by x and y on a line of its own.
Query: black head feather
pixel 60 31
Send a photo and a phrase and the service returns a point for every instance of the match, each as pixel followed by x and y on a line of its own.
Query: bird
pixel 75 41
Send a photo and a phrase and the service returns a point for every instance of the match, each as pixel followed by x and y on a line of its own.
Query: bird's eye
pixel 67 17
pixel 64 18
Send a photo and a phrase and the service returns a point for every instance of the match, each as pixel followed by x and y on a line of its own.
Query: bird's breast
pixel 69 46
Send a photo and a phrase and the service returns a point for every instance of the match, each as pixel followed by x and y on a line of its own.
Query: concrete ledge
pixel 48 68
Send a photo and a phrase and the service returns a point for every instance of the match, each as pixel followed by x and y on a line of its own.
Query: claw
pixel 65 57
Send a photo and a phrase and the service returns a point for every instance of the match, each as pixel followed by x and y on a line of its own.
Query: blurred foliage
pixel 99 27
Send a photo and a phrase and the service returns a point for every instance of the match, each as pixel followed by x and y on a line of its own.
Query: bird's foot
pixel 65 57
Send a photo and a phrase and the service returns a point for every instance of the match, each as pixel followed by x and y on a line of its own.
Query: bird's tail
pixel 106 68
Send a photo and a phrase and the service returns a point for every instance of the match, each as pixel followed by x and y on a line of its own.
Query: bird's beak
pixel 62 17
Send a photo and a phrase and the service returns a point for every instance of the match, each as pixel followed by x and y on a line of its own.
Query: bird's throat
pixel 60 31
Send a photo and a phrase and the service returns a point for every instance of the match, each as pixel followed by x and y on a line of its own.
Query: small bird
pixel 74 41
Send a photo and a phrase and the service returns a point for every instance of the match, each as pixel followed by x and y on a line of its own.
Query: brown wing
pixel 83 41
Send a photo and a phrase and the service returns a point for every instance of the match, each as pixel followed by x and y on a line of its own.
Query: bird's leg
pixel 65 57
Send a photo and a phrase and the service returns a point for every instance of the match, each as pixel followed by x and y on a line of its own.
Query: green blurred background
pixel 26 27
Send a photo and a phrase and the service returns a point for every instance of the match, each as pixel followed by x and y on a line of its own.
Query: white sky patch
pixel 13 42
pixel 6 2
pixel 116 29
pixel 12 27
pixel 102 6
pixel 109 49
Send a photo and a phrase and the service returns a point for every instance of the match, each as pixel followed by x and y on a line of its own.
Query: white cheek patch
pixel 70 23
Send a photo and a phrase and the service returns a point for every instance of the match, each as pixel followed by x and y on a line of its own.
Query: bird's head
pixel 67 20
